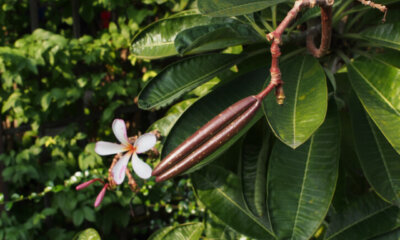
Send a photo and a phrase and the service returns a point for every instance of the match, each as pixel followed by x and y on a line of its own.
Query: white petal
pixel 145 142
pixel 119 169
pixel 107 148
pixel 142 169
pixel 119 129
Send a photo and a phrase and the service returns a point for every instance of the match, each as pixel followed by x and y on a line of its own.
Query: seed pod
pixel 204 133
pixel 218 139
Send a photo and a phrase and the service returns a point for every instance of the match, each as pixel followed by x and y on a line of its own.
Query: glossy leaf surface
pixel 253 168
pixel 187 231
pixel 301 182
pixel 376 84
pixel 219 190
pixel 365 218
pixel 215 36
pixel 157 39
pixel 305 105
pixel 233 7
pixel 182 77
pixel 379 161
pixel 386 35
pixel 211 105
pixel 216 229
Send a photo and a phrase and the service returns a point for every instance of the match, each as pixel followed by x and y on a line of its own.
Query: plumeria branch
pixel 326 32
pixel 276 38
pixel 378 6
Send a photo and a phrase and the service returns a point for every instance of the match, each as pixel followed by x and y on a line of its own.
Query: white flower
pixel 144 143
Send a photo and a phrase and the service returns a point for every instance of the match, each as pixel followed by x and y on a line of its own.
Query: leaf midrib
pixel 360 220
pixel 381 39
pixel 302 185
pixel 295 100
pixel 389 175
pixel 177 90
pixel 376 90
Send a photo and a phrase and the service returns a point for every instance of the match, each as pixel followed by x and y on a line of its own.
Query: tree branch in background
pixel 34 14
pixel 75 17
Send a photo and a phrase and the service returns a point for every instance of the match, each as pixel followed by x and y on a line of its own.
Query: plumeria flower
pixel 144 143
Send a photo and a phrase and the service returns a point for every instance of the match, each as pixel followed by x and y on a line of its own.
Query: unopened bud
pixel 87 184
pixel 100 197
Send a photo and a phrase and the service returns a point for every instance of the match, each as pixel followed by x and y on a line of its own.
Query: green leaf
pixel 386 35
pixel 233 7
pixel 88 234
pixel 215 36
pixel 182 77
pixel 219 190
pixel 209 106
pixel 364 218
pixel 379 161
pixel 393 235
pixel 187 231
pixel 215 229
pixel 305 104
pixel 164 125
pixel 301 182
pixel 157 39
pixel 89 214
pixel 77 217
pixel 376 84
pixel 11 101
pixel 253 168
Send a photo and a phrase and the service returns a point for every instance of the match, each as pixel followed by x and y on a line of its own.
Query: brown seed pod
pixel 204 133
pixel 196 153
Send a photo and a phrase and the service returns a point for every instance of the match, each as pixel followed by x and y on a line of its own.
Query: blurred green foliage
pixel 59 94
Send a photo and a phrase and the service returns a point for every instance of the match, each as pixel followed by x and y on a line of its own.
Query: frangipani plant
pixel 283 166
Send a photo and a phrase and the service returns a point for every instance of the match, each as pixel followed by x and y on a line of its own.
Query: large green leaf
pixel 233 7
pixel 219 190
pixel 386 35
pixel 157 39
pixel 182 77
pixel 365 218
pixel 253 168
pixel 186 231
pixel 305 104
pixel 215 36
pixel 377 86
pixel 301 182
pixel 380 162
pixel 209 106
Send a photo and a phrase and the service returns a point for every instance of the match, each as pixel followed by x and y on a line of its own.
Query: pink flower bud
pixel 86 184
pixel 100 196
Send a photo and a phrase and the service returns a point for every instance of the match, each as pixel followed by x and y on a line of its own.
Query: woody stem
pixel 326 32
pixel 276 37
pixel 132 184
